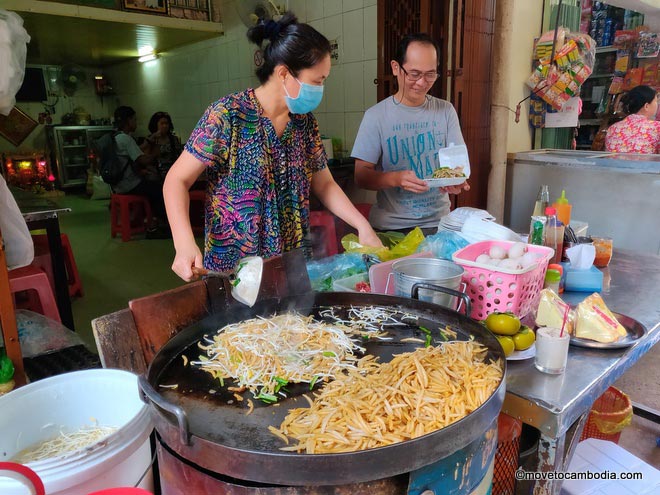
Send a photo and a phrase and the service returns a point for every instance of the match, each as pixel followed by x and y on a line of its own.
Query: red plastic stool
pixel 32 278
pixel 42 260
pixel 120 215
pixel 325 221
pixel 197 203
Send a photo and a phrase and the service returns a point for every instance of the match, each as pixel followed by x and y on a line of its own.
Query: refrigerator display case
pixel 617 194
pixel 72 152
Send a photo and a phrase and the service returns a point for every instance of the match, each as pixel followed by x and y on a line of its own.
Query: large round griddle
pixel 197 422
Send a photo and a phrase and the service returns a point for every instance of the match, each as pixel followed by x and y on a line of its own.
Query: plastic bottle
pixel 560 269
pixel 554 233
pixel 563 208
pixel 552 279
pixel 542 201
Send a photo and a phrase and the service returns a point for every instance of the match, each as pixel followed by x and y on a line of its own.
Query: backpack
pixel 110 164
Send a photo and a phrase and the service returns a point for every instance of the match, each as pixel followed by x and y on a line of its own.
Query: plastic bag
pixel 322 273
pixel 19 248
pixel 39 335
pixel 407 245
pixel 443 244
pixel 100 190
pixel 13 52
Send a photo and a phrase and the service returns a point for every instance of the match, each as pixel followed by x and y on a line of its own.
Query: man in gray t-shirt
pixel 398 140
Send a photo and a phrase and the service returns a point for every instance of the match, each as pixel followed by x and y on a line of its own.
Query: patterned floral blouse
pixel 634 134
pixel 258 183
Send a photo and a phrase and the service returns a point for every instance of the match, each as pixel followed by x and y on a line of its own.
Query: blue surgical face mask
pixel 308 98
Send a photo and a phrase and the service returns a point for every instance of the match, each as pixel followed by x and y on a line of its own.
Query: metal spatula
pixel 245 278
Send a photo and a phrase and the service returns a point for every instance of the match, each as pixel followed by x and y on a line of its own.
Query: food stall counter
pixel 558 404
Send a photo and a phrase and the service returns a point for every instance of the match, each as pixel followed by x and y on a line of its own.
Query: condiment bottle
pixel 554 233
pixel 559 268
pixel 563 208
pixel 542 201
pixel 552 279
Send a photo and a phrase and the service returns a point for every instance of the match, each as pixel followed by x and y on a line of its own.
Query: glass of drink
pixel 603 247
pixel 551 350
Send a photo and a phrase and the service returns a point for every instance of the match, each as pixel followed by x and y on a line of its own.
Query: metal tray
pixel 635 332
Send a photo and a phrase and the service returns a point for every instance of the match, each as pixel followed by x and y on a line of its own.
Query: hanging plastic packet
pixel 537 229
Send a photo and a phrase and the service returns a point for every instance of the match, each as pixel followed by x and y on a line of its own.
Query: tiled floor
pixel 114 272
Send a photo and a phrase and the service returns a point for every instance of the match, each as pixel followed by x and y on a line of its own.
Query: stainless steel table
pixel 40 212
pixel 558 404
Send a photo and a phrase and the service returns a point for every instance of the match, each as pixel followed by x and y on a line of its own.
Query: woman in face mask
pixel 262 153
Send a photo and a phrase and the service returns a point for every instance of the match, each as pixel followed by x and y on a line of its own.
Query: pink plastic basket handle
pixel 25 475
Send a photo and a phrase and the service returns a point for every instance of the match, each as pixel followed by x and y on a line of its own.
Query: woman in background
pixel 639 132
pixel 165 141
pixel 262 152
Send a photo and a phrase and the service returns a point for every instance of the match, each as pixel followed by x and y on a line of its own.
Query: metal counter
pixel 558 404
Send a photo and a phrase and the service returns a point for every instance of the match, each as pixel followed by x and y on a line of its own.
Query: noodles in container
pixel 453 167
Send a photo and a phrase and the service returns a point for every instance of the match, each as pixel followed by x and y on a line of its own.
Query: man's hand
pixel 408 181
pixel 456 189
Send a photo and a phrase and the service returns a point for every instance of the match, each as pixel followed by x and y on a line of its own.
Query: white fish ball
pixel 483 259
pixel 497 252
pixel 517 250
pixel 528 259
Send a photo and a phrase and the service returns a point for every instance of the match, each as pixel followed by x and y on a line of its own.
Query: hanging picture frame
pixel 150 6
pixel 16 126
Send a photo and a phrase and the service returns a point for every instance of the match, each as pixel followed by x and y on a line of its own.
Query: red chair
pixel 122 207
pixel 42 260
pixel 363 208
pixel 33 278
pixel 325 221
pixel 197 203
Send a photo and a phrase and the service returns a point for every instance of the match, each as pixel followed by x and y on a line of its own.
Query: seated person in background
pixel 639 132
pixel 165 142
pixel 136 177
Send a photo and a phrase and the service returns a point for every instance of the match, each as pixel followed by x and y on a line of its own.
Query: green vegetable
pixel 313 382
pixel 267 398
pixel 6 368
pixel 428 341
pixel 329 354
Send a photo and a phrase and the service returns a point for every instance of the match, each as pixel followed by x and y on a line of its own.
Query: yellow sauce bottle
pixel 563 208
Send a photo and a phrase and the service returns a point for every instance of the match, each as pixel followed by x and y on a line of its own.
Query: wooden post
pixel 8 321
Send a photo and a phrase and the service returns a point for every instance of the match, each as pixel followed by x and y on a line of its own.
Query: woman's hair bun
pixel 270 29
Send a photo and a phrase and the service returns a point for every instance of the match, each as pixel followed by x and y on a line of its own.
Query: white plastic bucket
pixel 70 401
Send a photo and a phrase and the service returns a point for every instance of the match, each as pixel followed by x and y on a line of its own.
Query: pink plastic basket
pixel 492 289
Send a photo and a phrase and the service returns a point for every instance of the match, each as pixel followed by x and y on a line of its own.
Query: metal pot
pixel 434 271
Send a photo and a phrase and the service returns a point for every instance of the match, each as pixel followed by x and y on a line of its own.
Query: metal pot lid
pixel 196 421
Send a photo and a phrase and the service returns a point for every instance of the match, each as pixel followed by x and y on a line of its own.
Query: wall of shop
pixel 84 99
pixel 527 19
pixel 185 81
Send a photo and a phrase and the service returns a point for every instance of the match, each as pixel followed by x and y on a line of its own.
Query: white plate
pixel 451 181
pixel 520 355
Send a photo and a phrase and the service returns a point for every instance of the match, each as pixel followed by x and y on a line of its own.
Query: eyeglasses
pixel 415 75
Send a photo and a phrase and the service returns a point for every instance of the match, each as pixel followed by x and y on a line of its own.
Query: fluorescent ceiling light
pixel 145 50
pixel 148 58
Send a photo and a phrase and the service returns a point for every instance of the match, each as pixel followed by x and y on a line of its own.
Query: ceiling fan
pixel 253 12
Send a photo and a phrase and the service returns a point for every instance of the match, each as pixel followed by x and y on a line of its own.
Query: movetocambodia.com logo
pixel 586 475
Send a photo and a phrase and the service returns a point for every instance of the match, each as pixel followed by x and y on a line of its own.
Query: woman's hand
pixel 368 237
pixel 408 181
pixel 185 258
